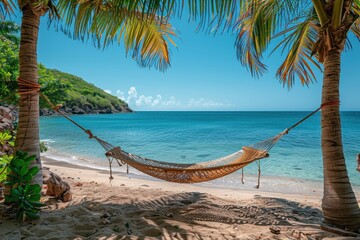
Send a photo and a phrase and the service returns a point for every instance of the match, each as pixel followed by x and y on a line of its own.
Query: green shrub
pixel 4 163
pixel 43 147
pixel 24 197
pixel 6 146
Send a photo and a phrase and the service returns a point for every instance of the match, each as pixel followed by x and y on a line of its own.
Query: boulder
pixel 56 186
pixel 77 110
pixel 6 119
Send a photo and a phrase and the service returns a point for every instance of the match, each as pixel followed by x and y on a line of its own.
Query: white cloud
pixel 120 95
pixel 134 99
pixel 144 101
pixel 204 103
pixel 107 91
pixel 172 102
pixel 157 100
pixel 132 96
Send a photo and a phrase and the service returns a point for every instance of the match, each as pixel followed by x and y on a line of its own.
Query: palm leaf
pixel 212 14
pixel 256 25
pixel 298 42
pixel 144 34
pixel 147 42
pixel 6 6
pixel 355 28
pixel 9 30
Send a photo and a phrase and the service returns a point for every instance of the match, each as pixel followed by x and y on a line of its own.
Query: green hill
pixel 79 96
pixel 76 95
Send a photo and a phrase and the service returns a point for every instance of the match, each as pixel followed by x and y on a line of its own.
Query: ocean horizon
pixel 197 136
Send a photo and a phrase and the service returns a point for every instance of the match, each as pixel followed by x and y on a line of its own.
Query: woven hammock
pixel 192 173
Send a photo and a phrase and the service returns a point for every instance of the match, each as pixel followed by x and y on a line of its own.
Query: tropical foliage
pixel 9 59
pixel 24 197
pixel 7 142
pixel 80 93
pixel 60 87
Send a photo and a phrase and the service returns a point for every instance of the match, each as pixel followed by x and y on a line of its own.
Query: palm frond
pixel 298 42
pixel 255 28
pixel 355 28
pixel 145 35
pixel 213 15
pixel 6 6
pixel 9 30
pixel 258 22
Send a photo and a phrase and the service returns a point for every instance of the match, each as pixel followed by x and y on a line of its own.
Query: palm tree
pixel 314 33
pixel 143 33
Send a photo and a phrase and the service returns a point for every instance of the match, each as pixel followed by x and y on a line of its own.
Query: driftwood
pixel 56 186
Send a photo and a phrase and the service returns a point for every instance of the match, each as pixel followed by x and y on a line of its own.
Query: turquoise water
pixel 201 136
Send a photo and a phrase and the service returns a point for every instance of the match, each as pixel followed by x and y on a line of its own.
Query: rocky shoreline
pixel 86 109
pixel 5 123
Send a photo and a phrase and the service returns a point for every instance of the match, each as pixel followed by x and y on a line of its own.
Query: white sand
pixel 144 208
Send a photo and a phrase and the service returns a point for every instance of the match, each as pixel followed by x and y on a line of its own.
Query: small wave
pixel 48 140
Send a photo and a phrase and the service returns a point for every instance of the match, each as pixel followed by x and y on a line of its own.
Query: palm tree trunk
pixel 339 203
pixel 27 138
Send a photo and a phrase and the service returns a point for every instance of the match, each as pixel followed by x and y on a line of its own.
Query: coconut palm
pixel 313 36
pixel 144 34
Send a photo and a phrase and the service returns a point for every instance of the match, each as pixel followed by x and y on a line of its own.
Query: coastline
pixel 243 191
pixel 138 207
pixel 277 185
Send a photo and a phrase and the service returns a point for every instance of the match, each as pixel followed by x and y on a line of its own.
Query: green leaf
pixel 27 204
pixel 18 162
pixel 11 198
pixel 34 197
pixel 30 159
pixel 33 171
pixel 33 189
pixel 23 171
pixel 37 204
pixel 16 192
pixel 27 178
pixel 20 215
pixel 32 216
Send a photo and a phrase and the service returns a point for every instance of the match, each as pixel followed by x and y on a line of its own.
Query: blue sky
pixel 204 75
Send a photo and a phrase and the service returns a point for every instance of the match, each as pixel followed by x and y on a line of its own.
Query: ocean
pixel 187 137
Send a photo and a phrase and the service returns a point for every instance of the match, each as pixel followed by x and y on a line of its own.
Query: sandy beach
pixel 137 207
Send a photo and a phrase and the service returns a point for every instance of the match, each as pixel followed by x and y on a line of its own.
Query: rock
pixel 78 110
pixel 275 230
pixel 6 119
pixel 56 186
pixel 5 112
pixel 46 112
pixel 67 196
pixel 86 108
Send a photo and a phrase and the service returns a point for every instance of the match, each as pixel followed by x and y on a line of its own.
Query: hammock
pixel 191 173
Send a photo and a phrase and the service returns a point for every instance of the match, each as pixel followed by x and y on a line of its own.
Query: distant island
pixel 82 97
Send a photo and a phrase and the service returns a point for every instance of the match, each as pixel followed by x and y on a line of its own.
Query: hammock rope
pixel 190 173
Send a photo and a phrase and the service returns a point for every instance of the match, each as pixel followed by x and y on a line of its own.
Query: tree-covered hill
pixel 74 94
pixel 79 96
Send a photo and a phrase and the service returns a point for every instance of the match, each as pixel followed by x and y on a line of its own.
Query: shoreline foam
pixel 274 184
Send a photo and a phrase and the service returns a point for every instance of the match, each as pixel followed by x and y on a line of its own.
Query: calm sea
pixel 187 137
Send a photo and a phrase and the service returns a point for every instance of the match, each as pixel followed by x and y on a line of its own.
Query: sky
pixel 204 74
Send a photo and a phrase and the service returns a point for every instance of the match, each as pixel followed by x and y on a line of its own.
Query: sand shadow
pixel 166 217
